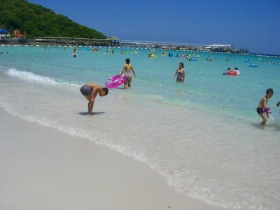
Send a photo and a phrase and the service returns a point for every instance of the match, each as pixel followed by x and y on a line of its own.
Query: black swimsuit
pixel 260 110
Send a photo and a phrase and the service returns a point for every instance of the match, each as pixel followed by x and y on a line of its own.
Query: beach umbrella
pixel 2 31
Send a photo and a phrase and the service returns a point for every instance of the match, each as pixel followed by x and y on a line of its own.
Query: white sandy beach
pixel 42 168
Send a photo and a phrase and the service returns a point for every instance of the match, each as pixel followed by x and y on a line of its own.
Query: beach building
pixel 114 40
pixel 111 41
pixel 219 47
pixel 225 48
pixel 152 44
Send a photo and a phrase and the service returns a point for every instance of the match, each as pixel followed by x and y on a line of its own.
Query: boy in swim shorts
pixel 90 91
pixel 263 105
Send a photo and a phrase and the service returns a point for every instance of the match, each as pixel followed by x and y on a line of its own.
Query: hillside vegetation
pixel 40 21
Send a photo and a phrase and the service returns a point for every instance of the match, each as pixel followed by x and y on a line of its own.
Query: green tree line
pixel 38 21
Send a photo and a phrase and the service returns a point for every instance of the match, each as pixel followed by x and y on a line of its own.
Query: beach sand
pixel 43 168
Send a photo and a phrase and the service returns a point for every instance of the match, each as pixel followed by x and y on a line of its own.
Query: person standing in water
pixel 75 52
pixel 127 68
pixel 180 73
pixel 262 108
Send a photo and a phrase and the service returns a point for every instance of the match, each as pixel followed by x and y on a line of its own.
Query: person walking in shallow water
pixel 180 73
pixel 127 68
pixel 90 91
pixel 262 108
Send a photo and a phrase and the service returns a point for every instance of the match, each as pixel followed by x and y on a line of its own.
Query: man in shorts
pixel 90 91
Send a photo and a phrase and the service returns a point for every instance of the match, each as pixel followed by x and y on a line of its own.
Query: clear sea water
pixel 203 135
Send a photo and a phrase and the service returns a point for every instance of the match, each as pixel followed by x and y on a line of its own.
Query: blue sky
pixel 252 24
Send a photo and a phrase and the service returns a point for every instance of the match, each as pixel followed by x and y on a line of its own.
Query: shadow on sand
pixel 93 113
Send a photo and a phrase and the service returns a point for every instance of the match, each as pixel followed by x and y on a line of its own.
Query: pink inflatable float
pixel 115 81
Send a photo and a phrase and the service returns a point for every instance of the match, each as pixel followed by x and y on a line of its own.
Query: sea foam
pixel 29 76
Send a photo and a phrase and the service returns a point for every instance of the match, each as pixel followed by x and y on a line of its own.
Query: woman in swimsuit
pixel 127 68
pixel 180 73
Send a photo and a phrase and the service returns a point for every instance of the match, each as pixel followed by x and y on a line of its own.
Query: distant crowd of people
pixel 91 90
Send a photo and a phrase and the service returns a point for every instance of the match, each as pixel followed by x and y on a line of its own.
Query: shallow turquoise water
pixel 202 136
